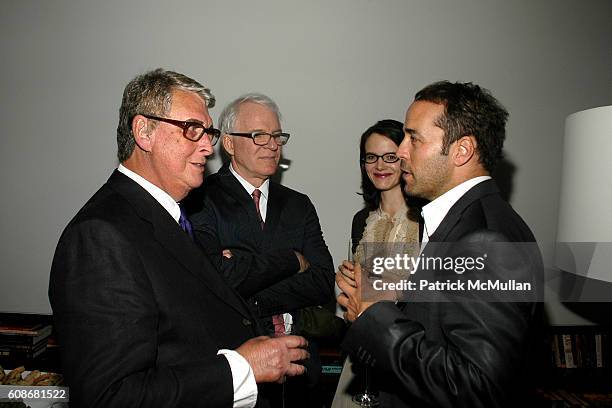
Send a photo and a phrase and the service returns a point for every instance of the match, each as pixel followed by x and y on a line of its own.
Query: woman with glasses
pixel 386 218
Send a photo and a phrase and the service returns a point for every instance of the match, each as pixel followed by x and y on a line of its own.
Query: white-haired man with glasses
pixel 275 254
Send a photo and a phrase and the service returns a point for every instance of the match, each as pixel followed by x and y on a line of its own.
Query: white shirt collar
pixel 434 212
pixel 264 188
pixel 158 194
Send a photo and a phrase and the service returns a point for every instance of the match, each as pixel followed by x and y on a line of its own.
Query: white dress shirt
pixel 243 378
pixel 434 212
pixel 263 210
pixel 264 188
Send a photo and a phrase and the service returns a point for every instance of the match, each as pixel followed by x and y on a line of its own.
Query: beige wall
pixel 334 67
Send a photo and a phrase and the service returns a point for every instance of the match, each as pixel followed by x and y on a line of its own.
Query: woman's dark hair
pixel 391 129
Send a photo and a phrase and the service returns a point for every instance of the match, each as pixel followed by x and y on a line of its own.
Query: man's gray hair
pixel 227 119
pixel 151 93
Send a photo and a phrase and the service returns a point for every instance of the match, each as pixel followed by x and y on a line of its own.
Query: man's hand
pixel 273 358
pixel 227 253
pixel 348 279
pixel 304 264
pixel 347 272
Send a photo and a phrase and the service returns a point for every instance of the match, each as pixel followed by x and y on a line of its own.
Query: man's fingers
pixel 295 369
pixel 358 274
pixel 350 316
pixel 344 285
pixel 347 275
pixel 293 341
pixel 346 269
pixel 345 272
pixel 343 300
pixel 304 264
pixel 348 265
pixel 270 358
pixel 352 309
pixel 298 354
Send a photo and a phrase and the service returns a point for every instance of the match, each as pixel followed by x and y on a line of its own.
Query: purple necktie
pixel 185 224
pixel 277 320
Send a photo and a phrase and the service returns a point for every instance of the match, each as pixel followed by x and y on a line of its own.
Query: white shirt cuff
pixel 245 388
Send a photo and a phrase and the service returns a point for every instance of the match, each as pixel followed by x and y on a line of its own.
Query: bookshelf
pixel 27 340
pixel 575 370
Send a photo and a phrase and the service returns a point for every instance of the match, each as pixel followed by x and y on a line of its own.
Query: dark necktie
pixel 277 320
pixel 185 224
pixel 256 196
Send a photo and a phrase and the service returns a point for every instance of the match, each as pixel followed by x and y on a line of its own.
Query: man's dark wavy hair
pixel 469 110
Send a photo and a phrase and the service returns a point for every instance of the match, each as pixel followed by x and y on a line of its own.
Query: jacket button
pixel 246 322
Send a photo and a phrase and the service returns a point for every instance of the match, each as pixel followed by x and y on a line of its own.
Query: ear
pixel 465 150
pixel 143 137
pixel 228 144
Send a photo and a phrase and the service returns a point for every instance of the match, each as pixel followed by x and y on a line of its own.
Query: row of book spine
pixel 580 350
pixel 23 342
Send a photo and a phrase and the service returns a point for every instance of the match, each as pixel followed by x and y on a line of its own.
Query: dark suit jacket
pixel 263 268
pixel 456 352
pixel 140 311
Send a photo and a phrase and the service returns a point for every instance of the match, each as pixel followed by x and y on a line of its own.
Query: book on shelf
pixel 556 357
pixel 575 348
pixel 26 334
pixel 567 350
pixel 598 350
pixel 567 398
pixel 36 329
pixel 17 352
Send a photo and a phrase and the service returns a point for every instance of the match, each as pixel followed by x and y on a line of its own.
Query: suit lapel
pixel 276 203
pixel 443 239
pixel 172 238
pixel 454 214
pixel 232 187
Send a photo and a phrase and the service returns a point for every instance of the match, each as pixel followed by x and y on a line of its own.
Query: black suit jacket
pixel 140 311
pixel 263 267
pixel 459 352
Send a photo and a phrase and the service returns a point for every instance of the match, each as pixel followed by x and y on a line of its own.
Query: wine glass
pixel 366 398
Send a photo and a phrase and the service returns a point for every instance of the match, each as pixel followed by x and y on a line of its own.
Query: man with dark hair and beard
pixel 451 349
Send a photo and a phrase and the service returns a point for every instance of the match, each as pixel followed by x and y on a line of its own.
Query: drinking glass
pixel 366 398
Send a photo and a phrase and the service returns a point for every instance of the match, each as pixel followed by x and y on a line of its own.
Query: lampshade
pixel 584 234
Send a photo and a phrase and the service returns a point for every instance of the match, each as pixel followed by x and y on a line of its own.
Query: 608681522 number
pixel 36 393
